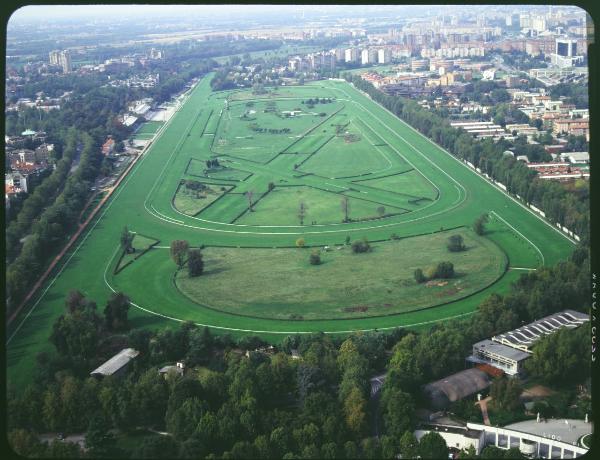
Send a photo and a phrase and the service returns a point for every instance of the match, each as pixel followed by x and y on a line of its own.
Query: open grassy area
pixel 149 127
pixel 258 130
pixel 410 183
pixel 144 203
pixel 198 168
pixel 191 201
pixel 349 153
pixel 282 207
pixel 140 244
pixel 281 283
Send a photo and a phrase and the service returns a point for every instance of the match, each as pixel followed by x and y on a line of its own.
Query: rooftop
pixel 456 386
pixel 501 350
pixel 115 363
pixel 567 430
pixel 524 337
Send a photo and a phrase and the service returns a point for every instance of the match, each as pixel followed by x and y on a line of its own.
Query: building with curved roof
pixel 456 387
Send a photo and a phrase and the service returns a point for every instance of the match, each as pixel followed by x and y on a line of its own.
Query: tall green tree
pixel 179 250
pixel 195 263
pixel 115 312
pixel 433 446
pixel 126 240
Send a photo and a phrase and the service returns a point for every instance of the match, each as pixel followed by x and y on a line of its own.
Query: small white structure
pixel 178 369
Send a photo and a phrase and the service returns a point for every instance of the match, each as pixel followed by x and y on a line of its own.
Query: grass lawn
pixel 198 168
pixel 281 207
pixel 265 128
pixel 140 243
pixel 149 127
pixel 349 153
pixel 410 183
pixel 280 283
pixel 191 202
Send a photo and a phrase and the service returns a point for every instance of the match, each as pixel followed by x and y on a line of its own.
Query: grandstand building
pixel 508 351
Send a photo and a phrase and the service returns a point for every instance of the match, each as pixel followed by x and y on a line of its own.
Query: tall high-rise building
pixel 384 56
pixel 538 23
pixel 368 56
pixel 156 54
pixel 65 61
pixel 351 55
pixel 62 59
pixel 54 57
pixel 566 47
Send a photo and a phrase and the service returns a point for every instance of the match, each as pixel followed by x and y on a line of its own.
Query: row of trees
pixel 43 195
pixel 182 255
pixel 52 228
pixel 558 203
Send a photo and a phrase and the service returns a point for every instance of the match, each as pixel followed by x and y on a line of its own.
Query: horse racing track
pixel 251 178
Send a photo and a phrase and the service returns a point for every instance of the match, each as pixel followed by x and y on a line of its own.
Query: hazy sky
pixel 53 12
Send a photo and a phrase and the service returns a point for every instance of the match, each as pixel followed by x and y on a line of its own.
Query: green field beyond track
pixel 277 151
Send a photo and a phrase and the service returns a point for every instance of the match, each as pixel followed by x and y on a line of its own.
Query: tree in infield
pixel 479 224
pixel 126 240
pixel 195 263
pixel 345 203
pixel 179 249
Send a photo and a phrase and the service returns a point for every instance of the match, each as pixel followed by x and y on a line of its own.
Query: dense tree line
pixel 51 212
pixel 51 229
pixel 573 92
pixel 273 406
pixel 43 195
pixel 553 198
pixel 56 85
pixel 257 406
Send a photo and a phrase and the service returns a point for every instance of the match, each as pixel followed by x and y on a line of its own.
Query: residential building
pixel 384 56
pixel 574 126
pixel 108 147
pixel 512 81
pixel 368 56
pixel 419 64
pixel 62 59
pixel 16 181
pixel 351 55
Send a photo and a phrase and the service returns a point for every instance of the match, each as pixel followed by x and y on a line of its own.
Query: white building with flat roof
pixel 554 438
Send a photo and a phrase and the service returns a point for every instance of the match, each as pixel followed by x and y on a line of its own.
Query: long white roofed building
pixel 509 350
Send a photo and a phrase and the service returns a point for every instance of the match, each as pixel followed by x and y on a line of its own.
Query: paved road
pixel 74 438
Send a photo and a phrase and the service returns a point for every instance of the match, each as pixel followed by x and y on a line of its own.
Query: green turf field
pixel 387 164
pixel 191 201
pixel 280 283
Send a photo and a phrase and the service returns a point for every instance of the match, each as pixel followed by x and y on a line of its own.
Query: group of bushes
pixel 257 129
pixel 442 270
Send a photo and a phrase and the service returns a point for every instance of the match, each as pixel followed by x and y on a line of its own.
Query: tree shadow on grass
pixel 214 271
pixel 146 320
